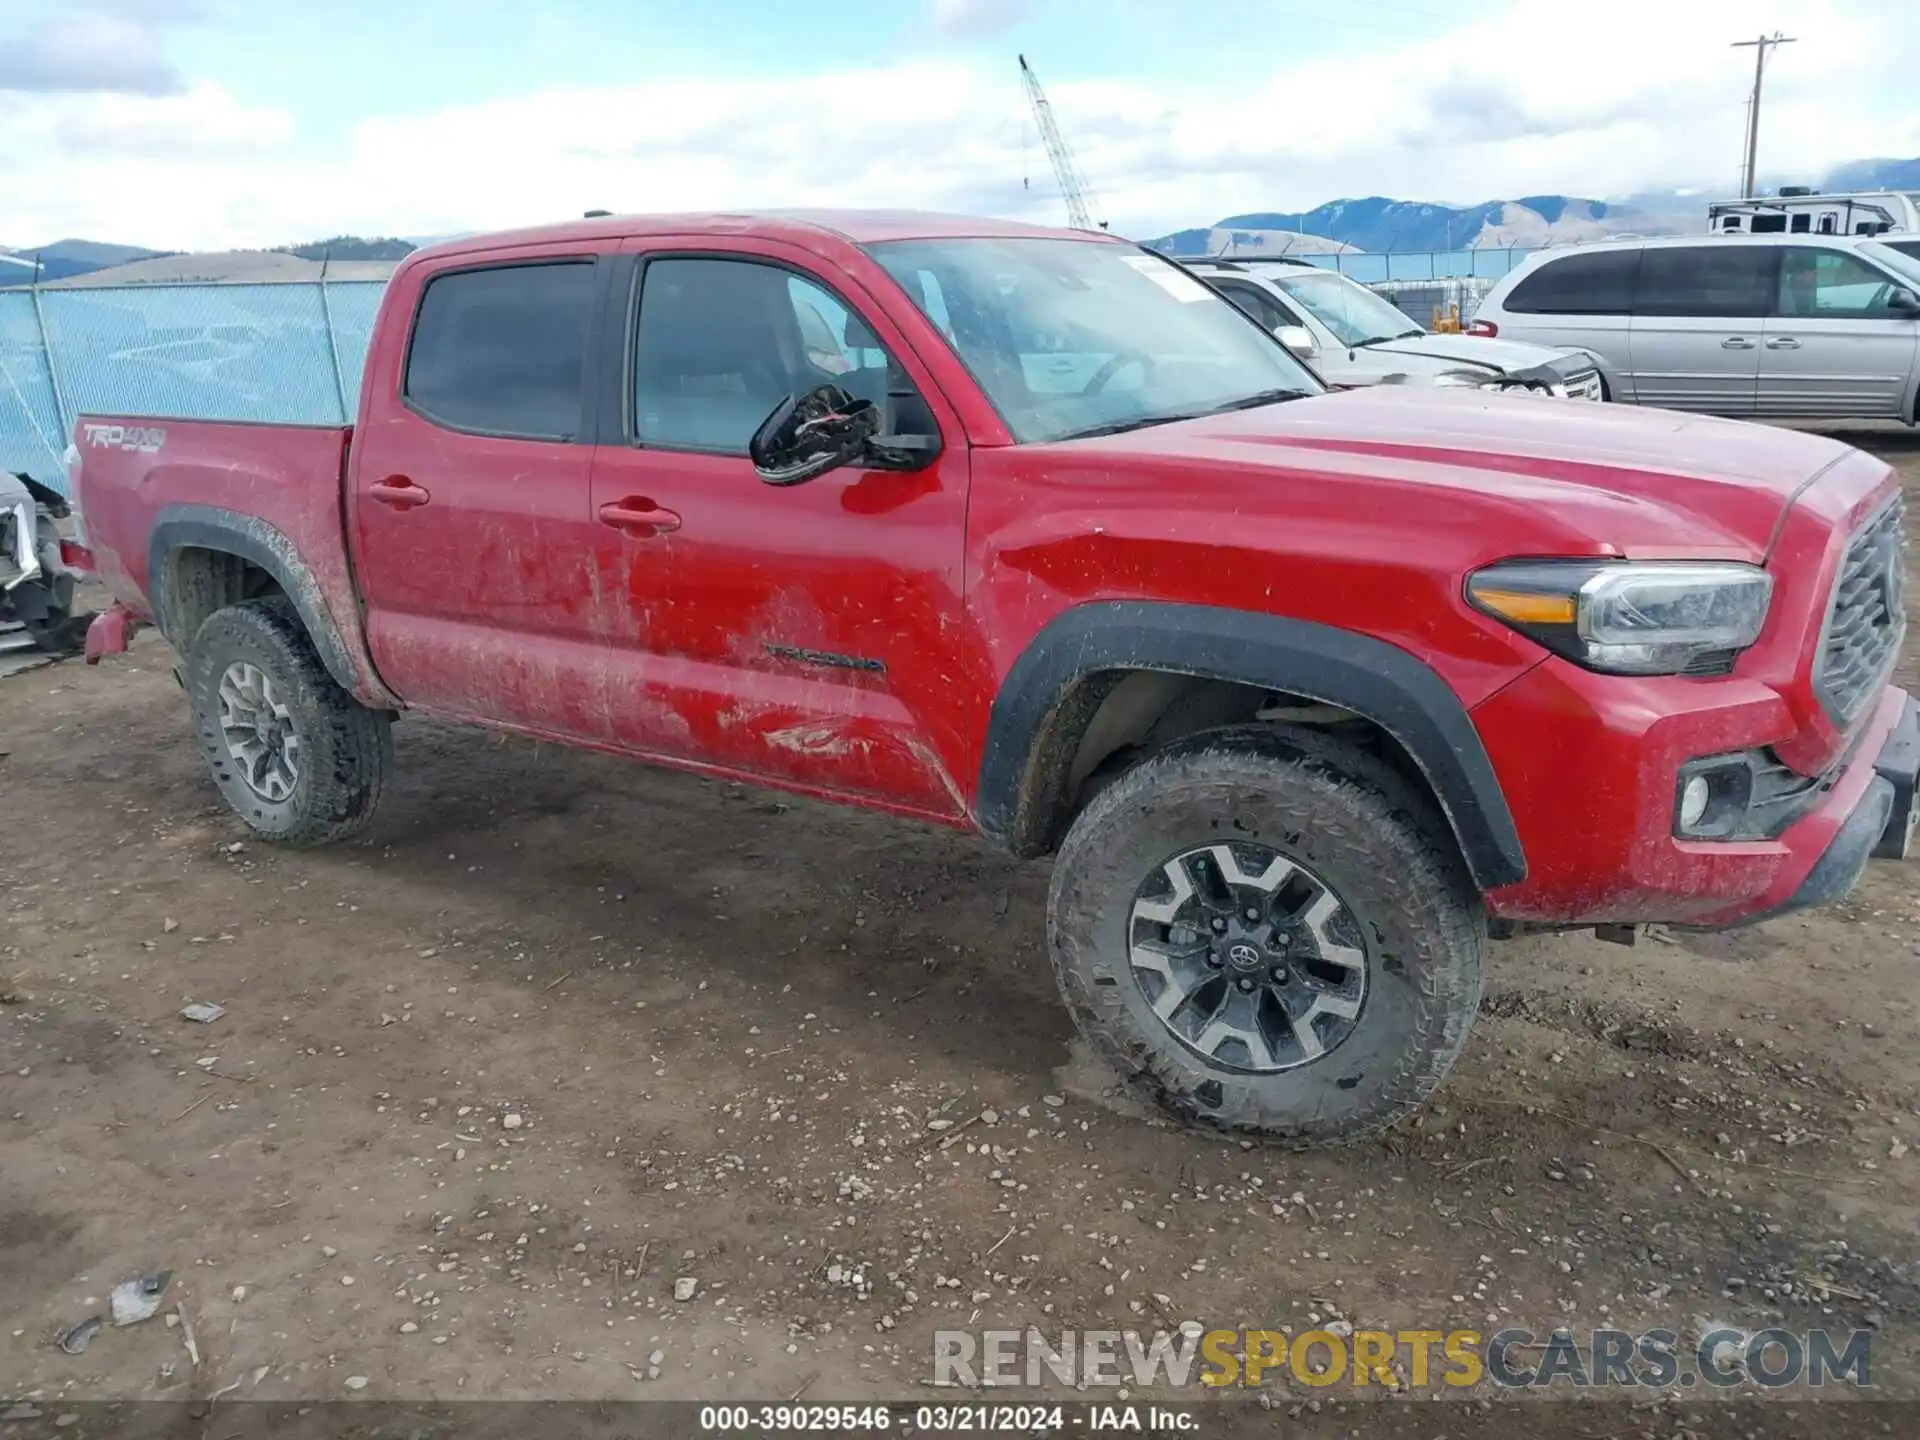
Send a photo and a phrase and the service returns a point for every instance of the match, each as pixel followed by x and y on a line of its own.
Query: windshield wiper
pixel 1251 402
pixel 1120 427
pixel 1140 422
pixel 1383 339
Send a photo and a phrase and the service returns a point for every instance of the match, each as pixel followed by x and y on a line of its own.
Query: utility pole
pixel 1749 180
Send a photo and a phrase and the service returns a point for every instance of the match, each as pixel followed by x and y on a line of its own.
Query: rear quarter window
pixel 1596 284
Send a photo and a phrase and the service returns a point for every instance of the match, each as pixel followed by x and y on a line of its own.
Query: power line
pixel 1761 45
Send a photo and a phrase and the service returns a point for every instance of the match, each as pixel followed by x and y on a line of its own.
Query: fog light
pixel 1693 801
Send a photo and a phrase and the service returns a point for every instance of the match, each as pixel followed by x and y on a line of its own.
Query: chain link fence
pixel 287 353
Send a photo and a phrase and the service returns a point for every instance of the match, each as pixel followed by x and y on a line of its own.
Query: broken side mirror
pixel 807 435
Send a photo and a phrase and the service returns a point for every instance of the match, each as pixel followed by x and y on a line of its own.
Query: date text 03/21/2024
pixel 945 1419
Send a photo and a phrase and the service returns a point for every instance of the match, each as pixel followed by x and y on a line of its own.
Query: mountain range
pixel 1375 223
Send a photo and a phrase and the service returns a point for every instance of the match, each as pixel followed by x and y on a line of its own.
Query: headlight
pixel 1652 619
pixel 1462 380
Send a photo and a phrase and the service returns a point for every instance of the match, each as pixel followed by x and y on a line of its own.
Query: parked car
pixel 1755 325
pixel 1353 337
pixel 1306 692
pixel 36 579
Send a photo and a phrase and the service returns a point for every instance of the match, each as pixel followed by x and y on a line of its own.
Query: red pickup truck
pixel 1030 532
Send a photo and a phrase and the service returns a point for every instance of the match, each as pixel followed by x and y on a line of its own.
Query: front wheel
pixel 1268 934
pixel 294 755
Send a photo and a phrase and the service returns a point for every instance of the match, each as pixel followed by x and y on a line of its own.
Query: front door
pixel 1699 316
pixel 800 634
pixel 469 494
pixel 1834 346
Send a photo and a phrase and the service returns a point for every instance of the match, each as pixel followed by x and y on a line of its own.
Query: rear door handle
pixel 399 492
pixel 1783 342
pixel 1736 342
pixel 639 516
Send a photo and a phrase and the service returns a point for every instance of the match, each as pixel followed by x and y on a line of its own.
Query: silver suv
pixel 1775 326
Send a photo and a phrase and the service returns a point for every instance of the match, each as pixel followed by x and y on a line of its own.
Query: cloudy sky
pixel 212 123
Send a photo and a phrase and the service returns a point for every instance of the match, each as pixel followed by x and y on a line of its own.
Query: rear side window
pixel 504 351
pixel 1708 281
pixel 1596 284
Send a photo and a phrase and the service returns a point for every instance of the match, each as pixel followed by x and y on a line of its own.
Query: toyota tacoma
pixel 1032 533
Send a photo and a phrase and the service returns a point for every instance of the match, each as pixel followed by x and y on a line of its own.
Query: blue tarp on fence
pixel 288 352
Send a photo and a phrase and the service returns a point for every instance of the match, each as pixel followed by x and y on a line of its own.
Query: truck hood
pixel 1630 480
pixel 1500 356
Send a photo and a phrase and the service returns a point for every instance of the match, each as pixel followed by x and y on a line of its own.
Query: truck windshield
pixel 1901 261
pixel 1071 338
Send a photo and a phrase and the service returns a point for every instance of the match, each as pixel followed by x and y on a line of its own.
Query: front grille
pixel 1867 616
pixel 1584 386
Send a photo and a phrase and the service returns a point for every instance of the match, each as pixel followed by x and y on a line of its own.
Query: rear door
pixel 469 497
pixel 802 634
pixel 1834 346
pixel 1699 316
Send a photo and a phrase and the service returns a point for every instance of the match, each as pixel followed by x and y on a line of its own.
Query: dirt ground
pixel 566 1030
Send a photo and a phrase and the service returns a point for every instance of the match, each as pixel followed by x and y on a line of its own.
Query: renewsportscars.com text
pixel 1403 1359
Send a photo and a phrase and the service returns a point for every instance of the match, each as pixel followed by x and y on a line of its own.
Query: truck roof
pixel 862 227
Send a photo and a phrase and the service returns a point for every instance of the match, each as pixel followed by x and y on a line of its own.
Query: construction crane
pixel 1073 189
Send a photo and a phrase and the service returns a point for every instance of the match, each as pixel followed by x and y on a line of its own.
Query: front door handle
pixel 399 492
pixel 1736 342
pixel 638 516
pixel 1783 342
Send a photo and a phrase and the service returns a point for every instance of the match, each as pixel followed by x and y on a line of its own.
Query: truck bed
pixel 146 485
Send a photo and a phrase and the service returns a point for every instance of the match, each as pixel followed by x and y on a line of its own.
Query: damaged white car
pixel 36 585
pixel 1353 337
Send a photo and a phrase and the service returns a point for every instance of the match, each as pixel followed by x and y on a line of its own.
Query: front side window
pixel 720 343
pixel 1600 283
pixel 1706 281
pixel 1081 337
pixel 503 351
pixel 1831 284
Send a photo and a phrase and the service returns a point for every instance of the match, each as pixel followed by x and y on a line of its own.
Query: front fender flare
pixel 1370 677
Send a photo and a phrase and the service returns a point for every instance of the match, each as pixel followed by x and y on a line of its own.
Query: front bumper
pixel 1879 827
pixel 1595 809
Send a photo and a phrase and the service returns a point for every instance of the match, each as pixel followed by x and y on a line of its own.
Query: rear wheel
pixel 295 756
pixel 1269 934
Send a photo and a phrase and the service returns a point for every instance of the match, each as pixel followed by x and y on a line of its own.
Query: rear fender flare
pixel 202 527
pixel 1374 679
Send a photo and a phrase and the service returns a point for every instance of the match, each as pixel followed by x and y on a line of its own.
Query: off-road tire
pixel 1356 823
pixel 346 748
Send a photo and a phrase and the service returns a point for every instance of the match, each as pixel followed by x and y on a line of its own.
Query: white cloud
pixel 1512 104
pixel 972 18
pixel 86 51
